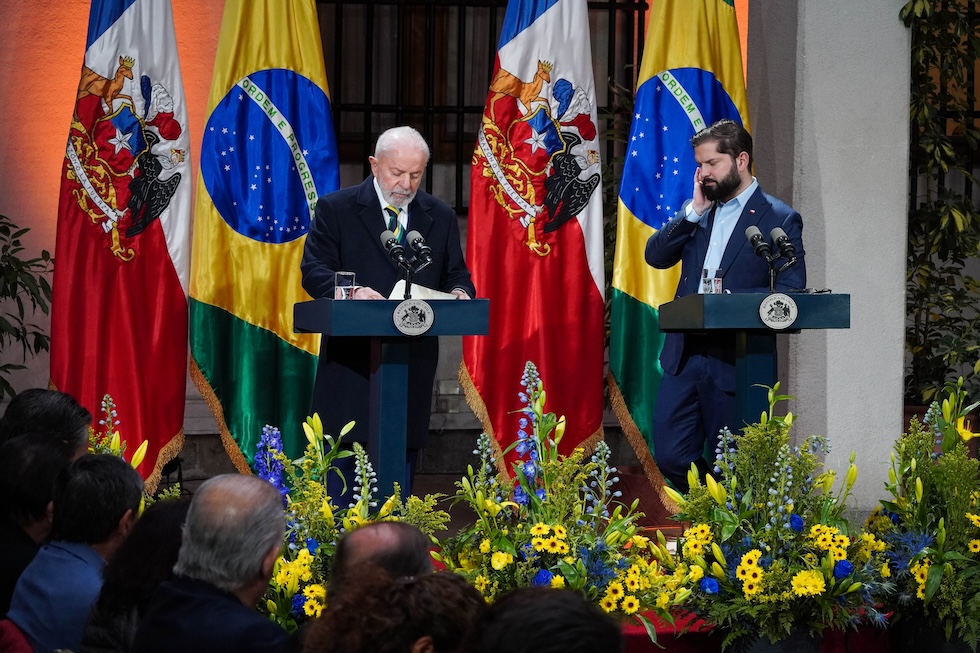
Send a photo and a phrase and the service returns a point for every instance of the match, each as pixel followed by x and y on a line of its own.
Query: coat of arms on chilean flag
pixel 124 151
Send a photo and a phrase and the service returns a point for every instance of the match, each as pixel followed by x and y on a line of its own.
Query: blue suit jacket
pixel 741 271
pixel 346 236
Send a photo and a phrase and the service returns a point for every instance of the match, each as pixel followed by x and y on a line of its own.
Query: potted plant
pixel 931 523
pixel 24 289
pixel 942 300
pixel 768 553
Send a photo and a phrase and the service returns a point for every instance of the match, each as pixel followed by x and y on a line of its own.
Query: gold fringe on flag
pixel 231 447
pixel 640 446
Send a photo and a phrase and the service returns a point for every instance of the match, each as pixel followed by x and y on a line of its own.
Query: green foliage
pixel 24 289
pixel 942 301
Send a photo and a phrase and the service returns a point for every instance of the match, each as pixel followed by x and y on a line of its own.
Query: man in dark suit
pixel 346 236
pixel 697 393
pixel 232 538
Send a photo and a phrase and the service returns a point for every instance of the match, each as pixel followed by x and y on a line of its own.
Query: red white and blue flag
pixel 119 306
pixel 534 242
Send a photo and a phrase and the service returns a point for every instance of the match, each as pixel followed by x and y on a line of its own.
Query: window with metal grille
pixel 427 63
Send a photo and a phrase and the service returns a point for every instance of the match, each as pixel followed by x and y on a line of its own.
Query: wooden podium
pixel 755 342
pixel 388 399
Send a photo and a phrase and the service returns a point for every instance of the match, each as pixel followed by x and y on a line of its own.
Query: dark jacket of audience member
pixel 96 501
pixel 376 613
pixel 49 414
pixel 28 469
pixel 545 620
pixel 232 538
pixel 145 560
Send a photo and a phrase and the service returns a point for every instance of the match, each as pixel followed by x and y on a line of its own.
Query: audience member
pixel 433 613
pixel 232 538
pixel 95 503
pixel 28 468
pixel 398 548
pixel 145 560
pixel 53 415
pixel 544 620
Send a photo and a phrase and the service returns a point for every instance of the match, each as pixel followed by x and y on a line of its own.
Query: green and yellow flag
pixel 268 153
pixel 690 77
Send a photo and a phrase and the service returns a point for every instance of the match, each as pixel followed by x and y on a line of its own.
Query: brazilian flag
pixel 690 76
pixel 268 152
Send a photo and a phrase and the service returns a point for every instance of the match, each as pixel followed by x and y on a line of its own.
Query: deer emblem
pixel 92 83
pixel 505 83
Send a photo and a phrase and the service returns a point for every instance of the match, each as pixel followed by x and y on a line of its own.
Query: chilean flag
pixel 534 242
pixel 119 298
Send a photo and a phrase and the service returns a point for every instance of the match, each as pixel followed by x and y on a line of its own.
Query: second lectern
pixel 755 319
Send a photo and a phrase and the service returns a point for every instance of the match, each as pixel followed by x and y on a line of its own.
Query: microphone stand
pixel 408 279
pixel 773 271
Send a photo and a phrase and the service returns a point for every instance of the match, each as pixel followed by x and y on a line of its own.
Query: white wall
pixel 828 94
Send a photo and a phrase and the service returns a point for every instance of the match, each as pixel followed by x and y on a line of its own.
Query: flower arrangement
pixel 932 523
pixel 106 438
pixel 314 523
pixel 557 522
pixel 768 549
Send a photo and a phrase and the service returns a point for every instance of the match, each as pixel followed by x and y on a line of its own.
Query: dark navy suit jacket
pixel 741 270
pixel 192 616
pixel 346 236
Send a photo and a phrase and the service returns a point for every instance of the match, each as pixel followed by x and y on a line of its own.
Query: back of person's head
pixel 545 620
pixel 146 558
pixel 28 469
pixel 233 522
pixel 92 496
pixel 398 548
pixel 729 136
pixel 434 613
pixel 50 414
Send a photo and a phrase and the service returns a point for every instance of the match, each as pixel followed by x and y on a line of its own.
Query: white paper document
pixel 418 292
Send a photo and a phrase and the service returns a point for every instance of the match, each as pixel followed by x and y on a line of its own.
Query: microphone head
pixel 752 231
pixel 777 233
pixel 386 237
pixel 413 236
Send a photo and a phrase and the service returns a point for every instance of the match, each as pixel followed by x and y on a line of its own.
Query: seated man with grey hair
pixel 232 538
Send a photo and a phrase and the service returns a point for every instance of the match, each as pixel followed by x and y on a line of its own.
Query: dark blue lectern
pixel 755 342
pixel 388 400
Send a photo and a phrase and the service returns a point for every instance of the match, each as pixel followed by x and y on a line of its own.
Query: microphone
pixel 758 242
pixel 782 241
pixel 393 247
pixel 786 248
pixel 417 243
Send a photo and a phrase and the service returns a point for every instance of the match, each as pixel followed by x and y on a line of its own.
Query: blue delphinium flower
pixel 520 496
pixel 543 577
pixel 530 469
pixel 540 493
pixel 312 545
pixel 709 585
pixel 843 569
pixel 267 465
pixel 796 523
